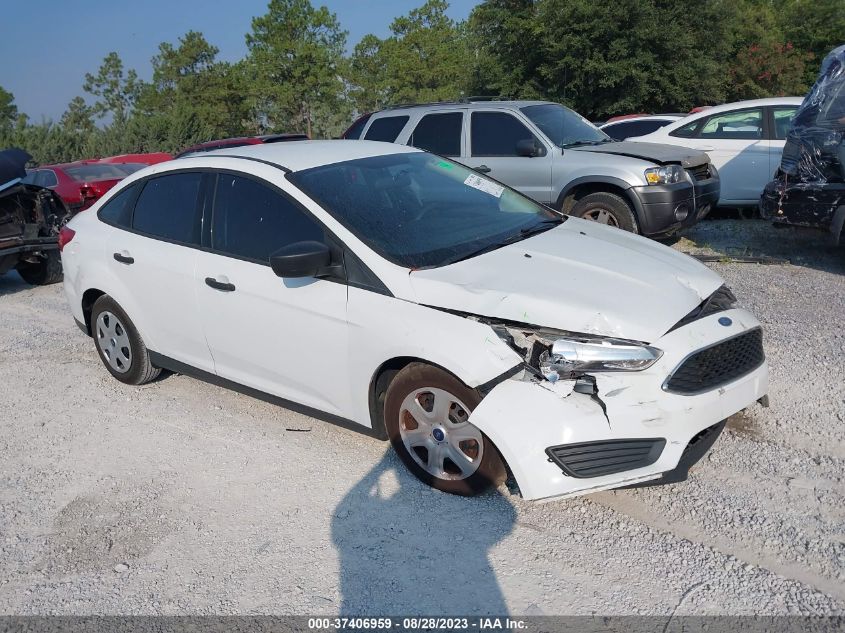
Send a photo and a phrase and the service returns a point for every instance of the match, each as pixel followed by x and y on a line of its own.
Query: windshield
pixel 419 210
pixel 84 173
pixel 564 127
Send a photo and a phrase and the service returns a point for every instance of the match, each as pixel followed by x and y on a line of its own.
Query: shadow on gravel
pixel 759 239
pixel 11 283
pixel 407 550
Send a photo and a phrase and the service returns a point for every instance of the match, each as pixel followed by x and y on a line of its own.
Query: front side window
pixel 439 133
pixel 167 208
pixel 497 134
pixel 736 125
pixel 252 221
pixel 782 117
pixel 386 128
pixel 118 210
pixel 419 210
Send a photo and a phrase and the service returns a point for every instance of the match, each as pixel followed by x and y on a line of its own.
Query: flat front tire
pixel 119 344
pixel 606 208
pixel 426 416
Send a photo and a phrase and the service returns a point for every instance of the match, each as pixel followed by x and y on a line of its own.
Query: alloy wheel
pixel 602 216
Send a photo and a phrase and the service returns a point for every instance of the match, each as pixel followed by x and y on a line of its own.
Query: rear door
pixel 154 258
pixel 493 138
pixel 780 121
pixel 286 337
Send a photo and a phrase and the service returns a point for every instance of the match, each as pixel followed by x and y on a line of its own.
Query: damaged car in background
pixel 409 296
pixel 30 220
pixel 809 187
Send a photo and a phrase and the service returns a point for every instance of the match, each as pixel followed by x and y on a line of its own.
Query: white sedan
pixel 404 294
pixel 744 140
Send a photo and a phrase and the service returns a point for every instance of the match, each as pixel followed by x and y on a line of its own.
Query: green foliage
pixel 294 68
pixel 425 59
pixel 601 57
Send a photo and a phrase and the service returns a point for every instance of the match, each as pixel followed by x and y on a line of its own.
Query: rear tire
pixel 119 344
pixel 606 208
pixel 48 270
pixel 426 411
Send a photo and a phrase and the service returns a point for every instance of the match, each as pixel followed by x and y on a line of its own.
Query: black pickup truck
pixel 30 219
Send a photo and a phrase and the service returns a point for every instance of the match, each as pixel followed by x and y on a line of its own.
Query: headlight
pixel 665 175
pixel 567 357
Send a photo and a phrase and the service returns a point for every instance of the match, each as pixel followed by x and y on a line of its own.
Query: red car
pixel 151 158
pixel 240 141
pixel 80 184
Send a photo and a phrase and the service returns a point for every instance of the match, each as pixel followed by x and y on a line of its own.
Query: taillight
pixel 87 191
pixel 65 236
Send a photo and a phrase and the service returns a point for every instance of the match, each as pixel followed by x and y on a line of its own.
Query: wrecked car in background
pixel 480 331
pixel 809 186
pixel 30 220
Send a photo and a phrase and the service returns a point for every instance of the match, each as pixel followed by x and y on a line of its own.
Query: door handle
pixel 484 169
pixel 225 286
pixel 124 258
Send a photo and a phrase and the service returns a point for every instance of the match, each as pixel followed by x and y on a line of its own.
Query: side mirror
pixel 529 148
pixel 301 259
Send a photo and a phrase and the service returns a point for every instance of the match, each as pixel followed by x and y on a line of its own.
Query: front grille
pixel 605 457
pixel 702 172
pixel 718 364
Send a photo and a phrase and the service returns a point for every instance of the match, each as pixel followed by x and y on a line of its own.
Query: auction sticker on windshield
pixel 484 185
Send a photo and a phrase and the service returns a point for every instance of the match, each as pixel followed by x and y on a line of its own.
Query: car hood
pixel 654 152
pixel 12 166
pixel 579 277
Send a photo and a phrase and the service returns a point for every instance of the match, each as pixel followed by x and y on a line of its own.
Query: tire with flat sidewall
pixel 491 471
pixel 617 206
pixel 141 370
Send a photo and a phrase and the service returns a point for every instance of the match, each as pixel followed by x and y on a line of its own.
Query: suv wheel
pixel 426 415
pixel 606 208
pixel 119 345
pixel 47 270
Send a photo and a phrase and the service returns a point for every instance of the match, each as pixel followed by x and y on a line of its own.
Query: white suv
pixel 417 300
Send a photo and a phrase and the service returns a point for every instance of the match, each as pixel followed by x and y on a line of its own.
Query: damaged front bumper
pixel 533 421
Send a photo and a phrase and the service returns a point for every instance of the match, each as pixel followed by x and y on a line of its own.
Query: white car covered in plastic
pixel 390 289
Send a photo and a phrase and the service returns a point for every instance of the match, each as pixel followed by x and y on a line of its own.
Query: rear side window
pixel 386 128
pixel 252 221
pixel 46 178
pixel 497 133
pixel 167 208
pixel 782 117
pixel 621 131
pixel 118 210
pixel 439 133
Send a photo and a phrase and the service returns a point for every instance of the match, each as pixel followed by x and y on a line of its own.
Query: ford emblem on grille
pixel 726 321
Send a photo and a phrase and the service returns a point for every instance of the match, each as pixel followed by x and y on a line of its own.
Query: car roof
pixel 751 103
pixel 299 155
pixel 645 117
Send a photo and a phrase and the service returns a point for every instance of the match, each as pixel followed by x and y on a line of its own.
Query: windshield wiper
pixel 540 227
pixel 580 143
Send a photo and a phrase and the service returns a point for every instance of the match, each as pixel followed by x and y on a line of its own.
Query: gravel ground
pixel 181 497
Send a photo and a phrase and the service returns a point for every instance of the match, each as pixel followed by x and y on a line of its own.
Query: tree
pixel 117 93
pixel 8 109
pixel 768 70
pixel 503 38
pixel 814 26
pixel 606 57
pixel 425 59
pixel 294 64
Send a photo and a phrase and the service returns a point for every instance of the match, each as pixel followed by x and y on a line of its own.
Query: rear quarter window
pixel 386 129
pixel 118 210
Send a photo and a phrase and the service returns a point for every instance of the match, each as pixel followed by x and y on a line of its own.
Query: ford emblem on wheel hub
pixel 438 434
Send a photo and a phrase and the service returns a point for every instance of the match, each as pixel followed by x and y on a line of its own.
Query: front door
pixel 286 337
pixel 494 136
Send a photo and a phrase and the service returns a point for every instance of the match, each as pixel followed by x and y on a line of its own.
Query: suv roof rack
pixel 462 100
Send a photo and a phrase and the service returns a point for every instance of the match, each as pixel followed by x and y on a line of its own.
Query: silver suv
pixel 557 157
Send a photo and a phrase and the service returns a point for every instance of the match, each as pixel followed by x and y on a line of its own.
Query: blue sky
pixel 46 52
